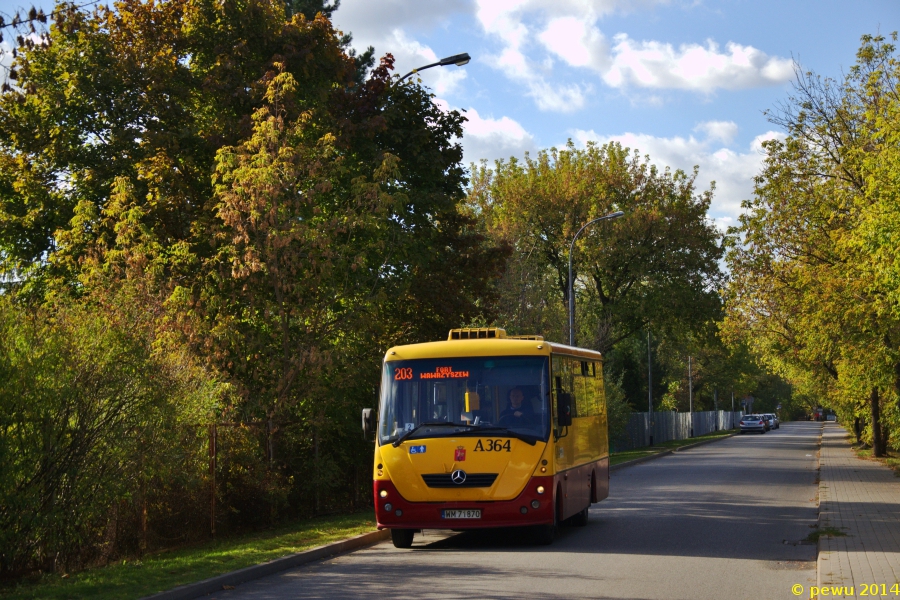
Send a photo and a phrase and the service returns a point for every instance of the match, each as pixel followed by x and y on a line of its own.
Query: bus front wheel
pixel 402 538
pixel 545 534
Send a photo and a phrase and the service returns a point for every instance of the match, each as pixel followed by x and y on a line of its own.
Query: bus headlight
pixel 383 493
pixel 388 507
pixel 540 489
pixel 535 504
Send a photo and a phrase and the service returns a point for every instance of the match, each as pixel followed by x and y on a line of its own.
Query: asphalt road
pixel 720 521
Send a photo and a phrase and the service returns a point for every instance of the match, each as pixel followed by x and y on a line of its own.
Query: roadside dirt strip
pixel 219 582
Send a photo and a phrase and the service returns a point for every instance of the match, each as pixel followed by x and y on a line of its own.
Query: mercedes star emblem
pixel 458 477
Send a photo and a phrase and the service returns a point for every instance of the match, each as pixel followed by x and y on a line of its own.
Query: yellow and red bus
pixel 488 430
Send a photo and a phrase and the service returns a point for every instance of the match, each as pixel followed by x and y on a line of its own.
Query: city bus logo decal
pixel 458 477
pixel 459 454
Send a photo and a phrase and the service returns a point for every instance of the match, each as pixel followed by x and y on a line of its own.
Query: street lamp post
pixel 614 215
pixel 716 405
pixel 691 394
pixel 649 387
pixel 732 409
pixel 457 59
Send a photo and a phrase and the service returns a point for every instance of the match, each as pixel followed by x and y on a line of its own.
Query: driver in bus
pixel 517 411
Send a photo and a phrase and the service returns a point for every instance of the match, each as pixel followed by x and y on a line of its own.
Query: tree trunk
pixel 270 458
pixel 897 383
pixel 316 442
pixel 212 479
pixel 143 507
pixel 857 430
pixel 877 438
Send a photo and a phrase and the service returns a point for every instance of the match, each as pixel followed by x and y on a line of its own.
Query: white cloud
pixel 721 131
pixel 492 139
pixel 732 171
pixel 577 43
pixel 535 36
pixel 567 29
pixel 487 138
pixel 503 19
pixel 693 67
pixel 368 19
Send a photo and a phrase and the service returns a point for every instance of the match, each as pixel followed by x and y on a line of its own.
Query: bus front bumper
pixel 430 515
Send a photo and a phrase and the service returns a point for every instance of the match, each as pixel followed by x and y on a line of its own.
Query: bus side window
pixel 600 389
pixel 562 382
pixel 574 372
pixel 587 391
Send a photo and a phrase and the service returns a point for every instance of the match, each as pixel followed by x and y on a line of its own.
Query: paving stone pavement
pixel 861 498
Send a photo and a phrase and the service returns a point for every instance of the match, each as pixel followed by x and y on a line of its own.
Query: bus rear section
pixel 469 436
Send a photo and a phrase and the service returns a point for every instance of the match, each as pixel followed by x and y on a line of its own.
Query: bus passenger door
pixel 575 494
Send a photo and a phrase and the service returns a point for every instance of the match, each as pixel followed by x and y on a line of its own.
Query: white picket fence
pixel 671 426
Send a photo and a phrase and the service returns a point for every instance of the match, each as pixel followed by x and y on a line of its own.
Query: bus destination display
pixel 403 373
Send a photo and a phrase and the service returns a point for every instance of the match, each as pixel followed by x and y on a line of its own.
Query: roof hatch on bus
pixel 488 333
pixel 477 333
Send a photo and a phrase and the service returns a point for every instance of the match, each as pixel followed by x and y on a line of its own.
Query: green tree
pixel 808 289
pixel 657 265
pixel 141 95
pixel 284 220
pixel 311 8
pixel 93 403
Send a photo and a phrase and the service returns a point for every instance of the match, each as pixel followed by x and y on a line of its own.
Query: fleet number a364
pixel 493 446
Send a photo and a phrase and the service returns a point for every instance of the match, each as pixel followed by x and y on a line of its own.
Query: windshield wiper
pixel 406 435
pixel 528 439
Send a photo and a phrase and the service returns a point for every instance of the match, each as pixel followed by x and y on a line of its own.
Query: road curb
pixel 640 460
pixel 644 459
pixel 215 584
pixel 709 441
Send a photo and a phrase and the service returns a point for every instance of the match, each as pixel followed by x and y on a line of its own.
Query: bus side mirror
pixel 563 409
pixel 369 422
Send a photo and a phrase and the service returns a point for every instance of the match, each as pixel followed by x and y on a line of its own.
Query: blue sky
pixel 684 81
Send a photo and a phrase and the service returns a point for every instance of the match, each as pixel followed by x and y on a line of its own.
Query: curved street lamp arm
pixel 437 64
pixel 457 59
pixel 614 215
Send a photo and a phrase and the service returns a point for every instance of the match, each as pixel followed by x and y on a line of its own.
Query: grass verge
pixel 166 570
pixel 892 459
pixel 824 532
pixel 616 458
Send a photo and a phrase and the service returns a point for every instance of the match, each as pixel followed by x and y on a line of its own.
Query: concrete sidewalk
pixel 861 498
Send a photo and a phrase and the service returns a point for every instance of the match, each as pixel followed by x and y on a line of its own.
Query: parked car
pixel 831 418
pixel 753 423
pixel 771 420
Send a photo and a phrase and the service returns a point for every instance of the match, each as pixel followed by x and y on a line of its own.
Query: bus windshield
pixel 426 397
